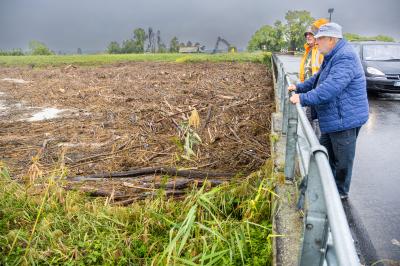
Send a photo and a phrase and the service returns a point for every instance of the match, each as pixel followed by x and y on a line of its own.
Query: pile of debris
pixel 213 118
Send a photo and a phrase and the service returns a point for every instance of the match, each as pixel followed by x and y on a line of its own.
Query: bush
pixel 13 52
pixel 38 48
pixel 356 37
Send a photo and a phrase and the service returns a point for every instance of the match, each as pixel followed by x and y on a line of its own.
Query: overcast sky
pixel 91 24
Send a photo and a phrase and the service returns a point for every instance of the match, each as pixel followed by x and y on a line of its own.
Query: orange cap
pixel 319 22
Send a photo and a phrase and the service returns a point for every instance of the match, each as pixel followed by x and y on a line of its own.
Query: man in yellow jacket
pixel 310 64
pixel 312 58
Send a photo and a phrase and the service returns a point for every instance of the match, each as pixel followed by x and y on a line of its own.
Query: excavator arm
pixel 219 40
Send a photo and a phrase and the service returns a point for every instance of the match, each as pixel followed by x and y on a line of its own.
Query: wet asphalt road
pixel 373 208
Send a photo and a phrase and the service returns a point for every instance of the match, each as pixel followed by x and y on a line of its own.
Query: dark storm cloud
pixel 92 24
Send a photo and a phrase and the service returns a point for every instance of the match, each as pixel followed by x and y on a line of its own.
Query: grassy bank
pixel 227 225
pixel 98 59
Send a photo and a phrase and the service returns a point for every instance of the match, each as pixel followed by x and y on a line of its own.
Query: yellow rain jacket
pixel 316 60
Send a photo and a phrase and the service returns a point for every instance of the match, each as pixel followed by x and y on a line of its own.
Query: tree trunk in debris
pixel 154 170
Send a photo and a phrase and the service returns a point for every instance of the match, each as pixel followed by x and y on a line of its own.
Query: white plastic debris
pixel 47 113
pixel 20 81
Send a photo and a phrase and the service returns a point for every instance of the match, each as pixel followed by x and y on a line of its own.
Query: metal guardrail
pixel 326 239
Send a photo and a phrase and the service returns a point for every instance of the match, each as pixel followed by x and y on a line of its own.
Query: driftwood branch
pixel 154 170
pixel 180 184
pixel 209 112
pixel 180 112
pixel 170 193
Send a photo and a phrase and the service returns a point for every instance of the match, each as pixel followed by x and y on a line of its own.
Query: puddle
pixel 20 81
pixel 47 113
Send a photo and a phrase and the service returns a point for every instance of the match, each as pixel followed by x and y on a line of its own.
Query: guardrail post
pixel 279 85
pixel 285 102
pixel 283 94
pixel 316 221
pixel 291 138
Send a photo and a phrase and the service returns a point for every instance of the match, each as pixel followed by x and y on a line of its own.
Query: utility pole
pixel 330 11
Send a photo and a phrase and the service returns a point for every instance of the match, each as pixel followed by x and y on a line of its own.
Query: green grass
pixel 227 225
pixel 99 59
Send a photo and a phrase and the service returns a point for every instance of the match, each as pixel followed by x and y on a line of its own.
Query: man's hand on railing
pixel 292 87
pixel 295 98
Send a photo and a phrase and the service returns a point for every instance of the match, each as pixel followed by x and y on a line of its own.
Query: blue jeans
pixel 341 148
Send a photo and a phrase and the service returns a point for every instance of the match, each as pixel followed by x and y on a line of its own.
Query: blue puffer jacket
pixel 337 91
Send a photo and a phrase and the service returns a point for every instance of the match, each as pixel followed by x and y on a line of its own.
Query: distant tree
pixel 384 38
pixel 353 37
pixel 13 52
pixel 17 52
pixel 189 44
pixel 161 47
pixel 262 39
pixel 113 48
pixel 139 36
pixel 356 37
pixel 282 36
pixel 174 45
pixel 79 51
pixel 297 23
pixel 128 47
pixel 151 46
pixel 280 30
pixel 38 48
pixel 268 38
pixel 182 44
pixel 158 37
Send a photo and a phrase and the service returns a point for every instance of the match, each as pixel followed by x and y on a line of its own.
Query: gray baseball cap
pixel 330 30
pixel 309 30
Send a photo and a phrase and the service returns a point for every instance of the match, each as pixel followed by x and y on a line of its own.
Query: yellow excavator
pixel 231 48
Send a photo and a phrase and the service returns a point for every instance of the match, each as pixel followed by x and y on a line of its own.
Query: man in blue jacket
pixel 338 93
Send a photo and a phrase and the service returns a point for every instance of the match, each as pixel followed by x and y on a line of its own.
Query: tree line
pixel 148 41
pixel 290 35
pixel 35 48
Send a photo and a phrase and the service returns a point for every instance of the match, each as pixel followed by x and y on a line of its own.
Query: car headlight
pixel 374 71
